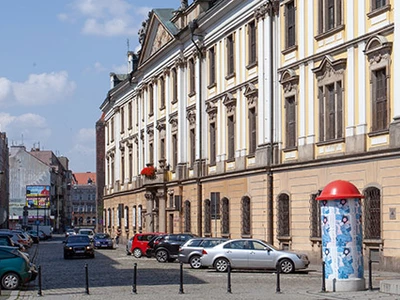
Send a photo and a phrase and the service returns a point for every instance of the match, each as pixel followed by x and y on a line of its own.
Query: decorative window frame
pixel 230 103
pixel 251 94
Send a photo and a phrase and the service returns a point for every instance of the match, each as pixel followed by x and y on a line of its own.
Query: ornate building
pixel 247 109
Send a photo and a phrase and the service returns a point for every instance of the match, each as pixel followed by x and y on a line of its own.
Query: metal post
pixel 229 290
pixel 40 281
pixel 134 278
pixel 370 274
pixel 278 279
pixel 323 278
pixel 87 278
pixel 181 279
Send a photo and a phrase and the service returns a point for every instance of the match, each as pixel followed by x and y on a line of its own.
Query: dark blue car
pixel 103 240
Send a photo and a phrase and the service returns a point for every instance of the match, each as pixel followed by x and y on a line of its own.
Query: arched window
pixel 283 215
pixel 245 212
pixel 225 217
pixel 372 214
pixel 207 217
pixel 187 216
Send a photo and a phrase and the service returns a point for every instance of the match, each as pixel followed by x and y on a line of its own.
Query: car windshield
pixel 85 232
pixel 102 236
pixel 78 239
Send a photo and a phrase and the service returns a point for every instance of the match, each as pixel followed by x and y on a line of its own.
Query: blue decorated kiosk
pixel 341 232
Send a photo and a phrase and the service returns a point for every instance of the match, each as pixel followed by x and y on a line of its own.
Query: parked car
pixel 42 236
pixel 15 239
pixel 166 247
pixel 69 232
pixel 191 251
pixel 252 254
pixel 78 245
pixel 88 232
pixel 15 268
pixel 138 244
pixel 27 240
pixel 103 240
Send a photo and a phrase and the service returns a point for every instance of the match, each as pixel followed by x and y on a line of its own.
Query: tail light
pixel 204 252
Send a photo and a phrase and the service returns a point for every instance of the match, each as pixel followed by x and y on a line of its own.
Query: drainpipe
pixel 272 9
pixel 193 25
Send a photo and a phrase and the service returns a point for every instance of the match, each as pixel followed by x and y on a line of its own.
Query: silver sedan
pixel 252 254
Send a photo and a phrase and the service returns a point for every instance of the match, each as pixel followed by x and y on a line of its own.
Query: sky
pixel 55 61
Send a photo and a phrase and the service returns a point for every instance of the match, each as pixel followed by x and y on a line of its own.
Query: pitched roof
pixel 84 178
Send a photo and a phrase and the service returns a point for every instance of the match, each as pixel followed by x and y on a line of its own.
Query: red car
pixel 137 244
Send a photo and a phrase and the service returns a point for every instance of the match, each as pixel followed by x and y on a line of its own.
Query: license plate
pixel 80 251
pixel 104 245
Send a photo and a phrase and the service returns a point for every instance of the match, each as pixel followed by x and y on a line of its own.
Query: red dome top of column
pixel 339 189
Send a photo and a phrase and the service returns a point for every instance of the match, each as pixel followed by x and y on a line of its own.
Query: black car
pixel 78 245
pixel 166 247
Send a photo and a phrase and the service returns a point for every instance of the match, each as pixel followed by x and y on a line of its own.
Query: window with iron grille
pixel 174 151
pixel 187 216
pixel 134 218
pixel 245 210
pixel 315 214
pixel 231 137
pixel 252 131
pixel 376 4
pixel 130 115
pixel 225 217
pixel 192 146
pixel 122 114
pixel 230 45
pixel 151 100
pixel 162 92
pixel 252 33
pixel 283 215
pixel 330 111
pixel 174 86
pixel 215 205
pixel 192 77
pixel 329 15
pixel 290 122
pixel 213 155
pixel 207 217
pixel 211 66
pixel 290 20
pixel 379 100
pixel 178 202
pixel 372 213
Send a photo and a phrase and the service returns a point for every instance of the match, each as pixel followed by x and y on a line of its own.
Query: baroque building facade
pixel 245 110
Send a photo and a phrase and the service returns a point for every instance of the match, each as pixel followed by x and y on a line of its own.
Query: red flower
pixel 149 171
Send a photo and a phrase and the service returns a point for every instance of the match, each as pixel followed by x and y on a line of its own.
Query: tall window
pixel 372 213
pixel 207 217
pixel 252 131
pixel 245 211
pixel 283 216
pixel 290 24
pixel 122 167
pixel 134 221
pixel 122 114
pixel 379 100
pixel 187 216
pixel 151 100
pixel 126 219
pixel 162 148
pixel 225 218
pixel 212 144
pixel 174 86
pixel 174 151
pixel 211 66
pixel 230 46
pixel 215 205
pixel 290 108
pixel 192 146
pixel 162 92
pixel 192 77
pixel 330 111
pixel 329 15
pixel 130 115
pixel 112 129
pixel 376 4
pixel 252 33
pixel 151 153
pixel 231 138
pixel 315 215
pixel 130 165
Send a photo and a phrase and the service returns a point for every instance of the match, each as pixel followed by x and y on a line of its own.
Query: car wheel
pixel 195 262
pixel 137 253
pixel 286 266
pixel 221 264
pixel 10 281
pixel 162 256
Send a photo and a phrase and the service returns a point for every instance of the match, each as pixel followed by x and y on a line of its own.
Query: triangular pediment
pixel 159 33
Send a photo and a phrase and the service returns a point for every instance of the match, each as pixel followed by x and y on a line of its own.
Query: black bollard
pixel 323 278
pixel 40 281
pixel 278 279
pixel 134 278
pixel 87 278
pixel 370 275
pixel 181 279
pixel 229 290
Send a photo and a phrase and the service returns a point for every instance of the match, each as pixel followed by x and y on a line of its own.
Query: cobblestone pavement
pixel 162 281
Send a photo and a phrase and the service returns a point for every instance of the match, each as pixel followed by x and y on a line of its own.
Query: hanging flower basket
pixel 149 172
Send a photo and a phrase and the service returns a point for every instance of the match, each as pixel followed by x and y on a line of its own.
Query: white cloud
pixel 86 135
pixel 63 17
pixel 121 69
pixel 39 89
pixel 30 126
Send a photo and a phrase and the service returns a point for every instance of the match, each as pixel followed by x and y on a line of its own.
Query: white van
pixel 88 232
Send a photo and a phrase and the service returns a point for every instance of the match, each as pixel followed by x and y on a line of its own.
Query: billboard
pixel 38 196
